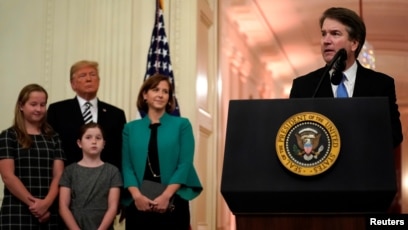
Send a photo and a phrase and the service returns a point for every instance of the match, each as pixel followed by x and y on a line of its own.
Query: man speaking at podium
pixel 343 36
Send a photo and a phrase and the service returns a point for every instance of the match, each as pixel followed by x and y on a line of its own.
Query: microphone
pixel 338 64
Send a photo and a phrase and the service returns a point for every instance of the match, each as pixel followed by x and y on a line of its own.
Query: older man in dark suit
pixel 342 28
pixel 66 116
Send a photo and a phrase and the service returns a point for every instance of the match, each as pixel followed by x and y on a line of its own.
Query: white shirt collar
pixel 94 102
pixel 351 73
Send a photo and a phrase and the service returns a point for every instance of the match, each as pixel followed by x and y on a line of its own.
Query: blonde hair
pixel 81 64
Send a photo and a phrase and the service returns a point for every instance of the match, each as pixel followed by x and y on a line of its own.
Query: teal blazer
pixel 175 143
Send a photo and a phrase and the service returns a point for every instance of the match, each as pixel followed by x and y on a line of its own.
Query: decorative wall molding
pixel 48 41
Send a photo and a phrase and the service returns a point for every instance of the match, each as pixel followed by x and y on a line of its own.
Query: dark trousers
pixel 178 219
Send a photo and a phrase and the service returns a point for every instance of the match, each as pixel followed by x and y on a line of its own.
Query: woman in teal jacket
pixel 159 148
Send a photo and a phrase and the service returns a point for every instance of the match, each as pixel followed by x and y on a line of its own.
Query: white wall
pixel 41 39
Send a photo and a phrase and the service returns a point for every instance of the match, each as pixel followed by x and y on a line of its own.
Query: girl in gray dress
pixel 90 188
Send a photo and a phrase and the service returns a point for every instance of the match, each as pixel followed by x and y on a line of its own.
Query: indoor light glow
pixel 366 57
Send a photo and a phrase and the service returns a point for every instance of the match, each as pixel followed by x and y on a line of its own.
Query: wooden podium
pixel 263 194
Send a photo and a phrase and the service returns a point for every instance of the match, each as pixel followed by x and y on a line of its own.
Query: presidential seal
pixel 308 143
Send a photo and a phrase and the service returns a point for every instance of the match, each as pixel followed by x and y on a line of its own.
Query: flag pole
pixel 158 57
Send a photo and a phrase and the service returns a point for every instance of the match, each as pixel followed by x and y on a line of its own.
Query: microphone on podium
pixel 338 64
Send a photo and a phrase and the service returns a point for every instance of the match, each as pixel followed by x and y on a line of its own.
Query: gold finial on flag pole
pixel 161 4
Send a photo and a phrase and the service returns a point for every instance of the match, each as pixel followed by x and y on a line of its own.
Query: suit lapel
pixel 362 81
pixel 102 111
pixel 325 88
pixel 77 113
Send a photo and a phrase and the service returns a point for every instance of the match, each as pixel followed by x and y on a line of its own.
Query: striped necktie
pixel 87 113
pixel 341 89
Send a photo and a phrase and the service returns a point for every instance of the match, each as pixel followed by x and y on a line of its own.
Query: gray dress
pixel 89 192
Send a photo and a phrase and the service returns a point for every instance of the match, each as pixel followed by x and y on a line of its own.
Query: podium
pixel 263 194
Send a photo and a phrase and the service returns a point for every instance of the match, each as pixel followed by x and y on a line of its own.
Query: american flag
pixel 158 58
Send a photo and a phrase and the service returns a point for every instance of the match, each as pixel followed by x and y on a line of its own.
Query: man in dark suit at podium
pixel 342 28
pixel 66 116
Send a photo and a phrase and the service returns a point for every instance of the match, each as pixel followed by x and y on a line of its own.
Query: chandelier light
pixel 366 56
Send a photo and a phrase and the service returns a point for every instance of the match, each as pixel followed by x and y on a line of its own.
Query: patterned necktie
pixel 341 89
pixel 87 113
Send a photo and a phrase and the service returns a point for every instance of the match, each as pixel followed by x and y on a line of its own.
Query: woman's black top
pixel 153 156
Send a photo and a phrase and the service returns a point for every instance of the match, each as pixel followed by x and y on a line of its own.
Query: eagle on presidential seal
pixel 307 142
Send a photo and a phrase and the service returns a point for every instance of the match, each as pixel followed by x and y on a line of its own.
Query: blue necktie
pixel 341 89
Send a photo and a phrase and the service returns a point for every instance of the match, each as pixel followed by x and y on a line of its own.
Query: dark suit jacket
pixel 368 83
pixel 66 119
